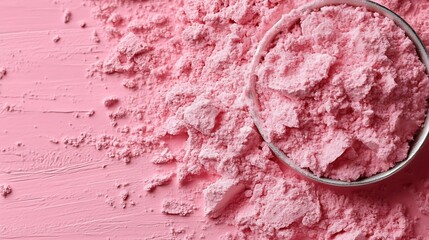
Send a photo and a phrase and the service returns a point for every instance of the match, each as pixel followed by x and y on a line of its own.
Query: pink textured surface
pixel 343 93
pixel 79 170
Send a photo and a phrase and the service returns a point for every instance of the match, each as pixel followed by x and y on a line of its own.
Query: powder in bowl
pixel 342 92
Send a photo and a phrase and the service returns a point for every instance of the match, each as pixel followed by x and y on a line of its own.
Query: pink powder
pixel 110 101
pixel 220 194
pixel 67 16
pixel 158 180
pixel 177 207
pixel 130 83
pixel 191 67
pixel 82 24
pixel 94 37
pixel 5 190
pixel 56 38
pixel 3 72
pixel 355 115
pixel 186 63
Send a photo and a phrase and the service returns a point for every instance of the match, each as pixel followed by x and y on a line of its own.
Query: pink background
pixel 60 191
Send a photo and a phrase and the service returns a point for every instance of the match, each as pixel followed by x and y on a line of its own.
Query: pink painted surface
pixel 60 192
pixel 53 118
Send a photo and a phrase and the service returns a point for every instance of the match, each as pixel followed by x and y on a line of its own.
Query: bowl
pixel 288 20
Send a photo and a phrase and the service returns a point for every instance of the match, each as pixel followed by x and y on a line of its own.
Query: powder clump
pixel 110 101
pixel 177 207
pixel 3 72
pixel 156 181
pixel 56 38
pixel 67 16
pixel 5 190
pixel 121 58
pixel 218 195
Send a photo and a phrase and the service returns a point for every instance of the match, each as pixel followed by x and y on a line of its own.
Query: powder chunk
pixel 202 115
pixel 110 101
pixel 177 207
pixel 94 37
pixel 128 47
pixel 5 190
pixel 56 38
pixel 359 83
pixel 165 156
pixel 3 72
pixel 297 205
pixel 131 45
pixel 115 19
pixel 82 24
pixel 242 12
pixel 246 138
pixel 67 16
pixel 158 180
pixel 130 83
pixel 333 149
pixel 299 81
pixel 219 195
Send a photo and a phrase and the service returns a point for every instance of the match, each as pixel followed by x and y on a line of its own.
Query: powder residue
pixel 343 93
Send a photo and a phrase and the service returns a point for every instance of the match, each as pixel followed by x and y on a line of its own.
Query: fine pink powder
pixel 343 93
pixel 185 66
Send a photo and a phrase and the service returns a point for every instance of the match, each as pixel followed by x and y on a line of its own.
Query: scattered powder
pixel 354 116
pixel 120 113
pixel 165 156
pixel 5 190
pixel 54 141
pixel 3 72
pixel 124 194
pixel 176 207
pixel 110 101
pixel 56 38
pixel 194 58
pixel 91 113
pixel 124 197
pixel 82 24
pixel 156 181
pixel 109 201
pixel 94 37
pixel 130 83
pixel 115 19
pixel 75 141
pixel 67 16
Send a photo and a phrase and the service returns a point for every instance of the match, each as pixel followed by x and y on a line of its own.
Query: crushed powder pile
pixel 343 93
pixel 185 64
